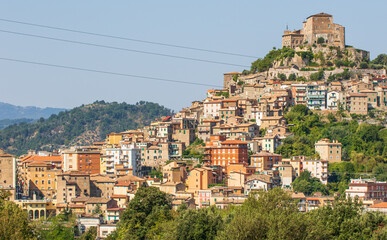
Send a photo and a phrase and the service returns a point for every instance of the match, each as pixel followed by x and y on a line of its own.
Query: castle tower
pixel 316 26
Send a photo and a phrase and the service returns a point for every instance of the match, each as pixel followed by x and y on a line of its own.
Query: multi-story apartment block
pixel 200 178
pixel 270 142
pixel 264 160
pixel 185 135
pixel 211 109
pixel 297 164
pixel 317 168
pixel 286 173
pixel 174 172
pixel 328 150
pixel 229 151
pixel 123 156
pixel 164 132
pixel 71 185
pixel 316 97
pixel 333 99
pixel 101 186
pixel 41 180
pixel 298 93
pixel 85 159
pixel 367 189
pixel 156 155
pixel 205 130
pixel 372 97
pixel 357 103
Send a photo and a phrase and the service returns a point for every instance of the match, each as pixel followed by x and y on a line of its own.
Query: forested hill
pixel 79 126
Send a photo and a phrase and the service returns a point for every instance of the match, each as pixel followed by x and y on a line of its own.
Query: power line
pixel 127 39
pixel 107 72
pixel 119 48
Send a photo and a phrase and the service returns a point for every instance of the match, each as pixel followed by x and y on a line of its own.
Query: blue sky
pixel 244 27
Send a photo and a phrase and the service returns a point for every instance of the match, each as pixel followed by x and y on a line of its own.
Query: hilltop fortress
pixel 316 26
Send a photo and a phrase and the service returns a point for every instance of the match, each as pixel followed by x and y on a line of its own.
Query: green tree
pixel 282 76
pixel 203 223
pixel 363 65
pixel 269 214
pixel 380 59
pixel 307 184
pixel 149 207
pixel 292 77
pixel 14 221
pixel 90 234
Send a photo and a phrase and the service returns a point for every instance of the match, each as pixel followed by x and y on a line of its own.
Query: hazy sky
pixel 244 27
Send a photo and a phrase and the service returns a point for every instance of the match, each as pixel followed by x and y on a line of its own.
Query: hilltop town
pixel 302 113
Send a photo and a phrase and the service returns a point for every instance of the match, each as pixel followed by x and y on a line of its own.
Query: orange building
pixel 200 178
pixel 229 152
pixel 89 162
pixel 240 168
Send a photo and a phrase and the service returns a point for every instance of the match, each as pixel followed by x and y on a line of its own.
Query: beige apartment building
pixel 328 150
pixel 264 161
pixel 372 98
pixel 71 185
pixel 357 103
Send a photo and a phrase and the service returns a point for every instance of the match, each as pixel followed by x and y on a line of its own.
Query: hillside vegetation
pixel 79 126
pixel 315 58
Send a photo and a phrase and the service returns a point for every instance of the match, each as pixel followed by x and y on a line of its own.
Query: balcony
pixel 316 96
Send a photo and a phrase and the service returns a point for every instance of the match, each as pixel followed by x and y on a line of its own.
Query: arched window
pixel 31 214
pixel 36 214
pixel 42 215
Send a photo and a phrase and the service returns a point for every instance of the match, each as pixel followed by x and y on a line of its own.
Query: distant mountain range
pixel 9 111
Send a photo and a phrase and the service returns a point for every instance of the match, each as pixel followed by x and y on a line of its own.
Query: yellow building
pixel 114 138
pixel 41 180
pixel 37 209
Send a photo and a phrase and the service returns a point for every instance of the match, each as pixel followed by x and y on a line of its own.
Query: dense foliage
pixel 79 126
pixel 13 220
pixel 269 214
pixel 307 184
pixel 364 147
pixel 261 65
pixel 360 142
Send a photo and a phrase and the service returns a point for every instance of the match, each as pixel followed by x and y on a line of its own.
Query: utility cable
pixel 107 72
pixel 127 39
pixel 119 48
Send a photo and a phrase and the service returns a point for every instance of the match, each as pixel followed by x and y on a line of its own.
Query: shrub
pixel 292 77
pixel 282 76
pixel 320 40
pixel 363 65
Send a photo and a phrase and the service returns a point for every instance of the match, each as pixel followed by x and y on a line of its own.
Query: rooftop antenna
pixel 287 27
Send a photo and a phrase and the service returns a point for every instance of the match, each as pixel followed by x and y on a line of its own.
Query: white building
pixel 127 156
pixel 316 97
pixel 258 182
pixel 317 168
pixel 211 109
pixel 105 230
pixel 332 100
